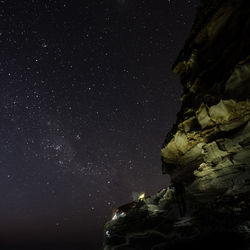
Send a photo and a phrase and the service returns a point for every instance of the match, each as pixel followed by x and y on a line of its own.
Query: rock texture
pixel 207 153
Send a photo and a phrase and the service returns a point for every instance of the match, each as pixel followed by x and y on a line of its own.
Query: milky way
pixel 87 96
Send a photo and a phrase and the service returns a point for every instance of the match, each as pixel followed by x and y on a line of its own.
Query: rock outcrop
pixel 207 153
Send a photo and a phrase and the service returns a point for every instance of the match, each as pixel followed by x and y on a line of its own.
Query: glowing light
pixel 108 234
pixel 118 215
pixel 122 214
pixel 141 196
pixel 115 217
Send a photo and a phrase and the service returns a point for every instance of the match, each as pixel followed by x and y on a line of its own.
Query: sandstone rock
pixel 208 150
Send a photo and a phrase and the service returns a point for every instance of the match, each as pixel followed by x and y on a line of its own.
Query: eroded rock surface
pixel 207 153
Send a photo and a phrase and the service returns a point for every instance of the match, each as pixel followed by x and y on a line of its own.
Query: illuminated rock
pixel 208 150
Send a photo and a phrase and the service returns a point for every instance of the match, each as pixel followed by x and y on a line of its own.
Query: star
pixel 85 106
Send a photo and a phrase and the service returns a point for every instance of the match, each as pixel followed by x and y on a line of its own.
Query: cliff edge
pixel 207 152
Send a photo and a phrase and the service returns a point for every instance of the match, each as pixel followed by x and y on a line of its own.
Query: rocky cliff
pixel 207 153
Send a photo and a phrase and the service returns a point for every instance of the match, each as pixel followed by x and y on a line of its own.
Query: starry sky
pixel 87 97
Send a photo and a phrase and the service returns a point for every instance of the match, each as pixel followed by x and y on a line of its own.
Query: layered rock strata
pixel 207 153
pixel 208 148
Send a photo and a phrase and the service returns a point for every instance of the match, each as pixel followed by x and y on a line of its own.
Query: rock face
pixel 207 153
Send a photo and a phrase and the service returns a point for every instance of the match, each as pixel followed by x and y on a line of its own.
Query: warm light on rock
pixel 141 196
pixel 207 152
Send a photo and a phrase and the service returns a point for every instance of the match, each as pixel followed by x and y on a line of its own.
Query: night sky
pixel 87 97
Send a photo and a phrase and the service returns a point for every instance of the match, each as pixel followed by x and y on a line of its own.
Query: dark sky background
pixel 87 97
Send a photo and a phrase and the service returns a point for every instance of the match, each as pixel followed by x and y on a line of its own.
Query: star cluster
pixel 86 99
